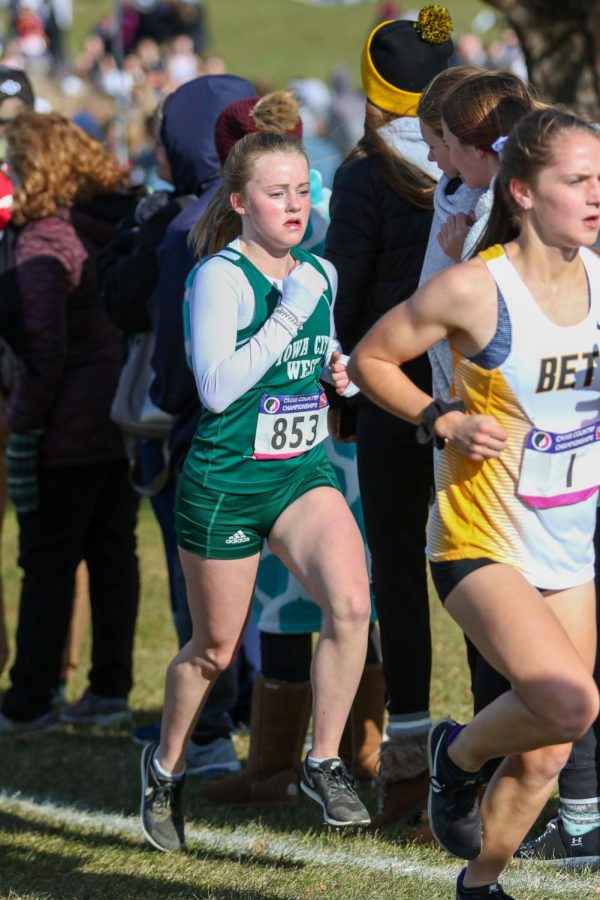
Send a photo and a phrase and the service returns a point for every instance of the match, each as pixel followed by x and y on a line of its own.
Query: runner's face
pixel 565 202
pixel 469 161
pixel 275 204
pixel 438 151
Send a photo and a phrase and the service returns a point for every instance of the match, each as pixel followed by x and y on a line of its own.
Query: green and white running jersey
pixel 276 428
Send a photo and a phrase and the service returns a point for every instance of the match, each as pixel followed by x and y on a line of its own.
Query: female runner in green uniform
pixel 261 334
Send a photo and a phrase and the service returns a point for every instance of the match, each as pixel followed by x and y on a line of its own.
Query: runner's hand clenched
pixel 301 291
pixel 477 437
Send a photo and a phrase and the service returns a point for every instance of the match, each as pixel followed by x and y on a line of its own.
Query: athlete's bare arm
pixel 458 304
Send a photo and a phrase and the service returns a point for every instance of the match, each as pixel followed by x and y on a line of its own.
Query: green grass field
pixel 69 802
pixel 275 40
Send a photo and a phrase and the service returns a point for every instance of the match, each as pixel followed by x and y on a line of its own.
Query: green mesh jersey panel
pixel 221 456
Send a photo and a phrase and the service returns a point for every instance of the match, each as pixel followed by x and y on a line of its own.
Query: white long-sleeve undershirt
pixel 222 303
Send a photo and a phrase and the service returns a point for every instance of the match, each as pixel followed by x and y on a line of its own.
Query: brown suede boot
pixel 278 723
pixel 359 747
pixel 403 781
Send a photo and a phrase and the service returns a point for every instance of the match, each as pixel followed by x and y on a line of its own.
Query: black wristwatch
pixel 426 431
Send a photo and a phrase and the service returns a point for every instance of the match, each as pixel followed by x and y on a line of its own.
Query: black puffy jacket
pixel 377 242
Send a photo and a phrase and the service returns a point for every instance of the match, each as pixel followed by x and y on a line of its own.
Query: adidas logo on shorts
pixel 238 538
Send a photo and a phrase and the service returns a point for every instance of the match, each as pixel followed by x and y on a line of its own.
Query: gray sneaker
pixel 333 788
pixel 42 725
pixel 161 809
pixel 92 709
pixel 212 760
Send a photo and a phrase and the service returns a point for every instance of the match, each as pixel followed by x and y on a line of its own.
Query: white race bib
pixel 290 426
pixel 560 469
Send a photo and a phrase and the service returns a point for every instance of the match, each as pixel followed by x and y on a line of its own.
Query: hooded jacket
pixel 128 267
pixel 187 132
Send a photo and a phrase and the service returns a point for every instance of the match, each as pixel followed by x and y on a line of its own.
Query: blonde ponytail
pixel 218 225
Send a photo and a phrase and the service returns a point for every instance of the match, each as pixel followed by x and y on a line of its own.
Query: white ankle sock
pixel 314 762
pixel 170 776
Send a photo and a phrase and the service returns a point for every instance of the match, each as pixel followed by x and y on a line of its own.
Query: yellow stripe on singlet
pixel 492 252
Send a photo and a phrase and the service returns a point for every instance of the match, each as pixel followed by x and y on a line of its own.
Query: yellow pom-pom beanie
pixel 401 57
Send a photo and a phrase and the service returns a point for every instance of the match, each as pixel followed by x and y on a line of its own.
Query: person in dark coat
pixel 381 214
pixel 16 96
pixel 67 471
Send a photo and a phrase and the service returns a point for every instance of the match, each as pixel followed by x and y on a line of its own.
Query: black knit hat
pixel 14 84
pixel 401 57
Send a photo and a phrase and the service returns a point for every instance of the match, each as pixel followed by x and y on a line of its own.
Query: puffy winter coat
pixel 73 353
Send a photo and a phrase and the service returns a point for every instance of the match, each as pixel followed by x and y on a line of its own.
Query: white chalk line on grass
pixel 562 882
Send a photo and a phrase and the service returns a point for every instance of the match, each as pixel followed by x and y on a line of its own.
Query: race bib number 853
pixel 290 426
pixel 560 469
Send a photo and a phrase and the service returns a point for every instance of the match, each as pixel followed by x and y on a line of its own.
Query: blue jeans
pixel 215 719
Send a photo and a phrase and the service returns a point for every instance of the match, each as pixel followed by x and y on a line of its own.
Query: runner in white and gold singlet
pixel 534 506
pixel 510 537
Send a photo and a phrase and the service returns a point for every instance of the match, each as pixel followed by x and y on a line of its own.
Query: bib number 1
pixel 560 469
pixel 290 426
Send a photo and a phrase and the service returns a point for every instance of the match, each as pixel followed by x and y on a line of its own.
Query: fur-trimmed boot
pixel 278 722
pixel 359 747
pixel 403 780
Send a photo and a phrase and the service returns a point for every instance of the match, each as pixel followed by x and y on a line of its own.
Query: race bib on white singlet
pixel 560 469
pixel 290 426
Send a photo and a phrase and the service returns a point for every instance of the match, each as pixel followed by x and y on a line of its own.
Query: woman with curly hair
pixel 67 471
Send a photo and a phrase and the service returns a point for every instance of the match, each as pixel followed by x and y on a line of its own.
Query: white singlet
pixel 533 507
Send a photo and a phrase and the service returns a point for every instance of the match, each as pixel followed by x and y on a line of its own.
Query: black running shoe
pixel 161 810
pixel 333 788
pixel 493 891
pixel 556 845
pixel 453 806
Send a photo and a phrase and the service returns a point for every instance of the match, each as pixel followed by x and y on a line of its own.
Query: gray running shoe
pixel 161 808
pixel 453 805
pixel 92 709
pixel 213 759
pixel 333 788
pixel 42 725
pixel 557 847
